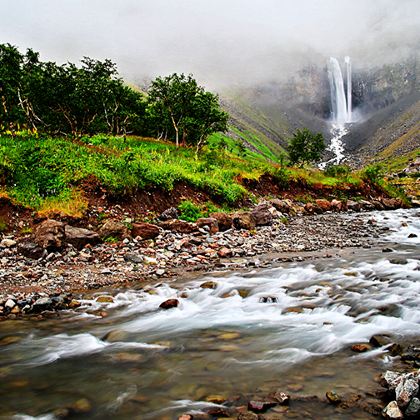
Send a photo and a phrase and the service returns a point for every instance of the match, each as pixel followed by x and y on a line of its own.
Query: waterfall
pixel 341 105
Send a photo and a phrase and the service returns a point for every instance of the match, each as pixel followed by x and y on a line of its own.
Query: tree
pixel 185 109
pixel 305 147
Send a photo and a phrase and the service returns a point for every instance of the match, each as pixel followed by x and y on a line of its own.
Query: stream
pixel 289 327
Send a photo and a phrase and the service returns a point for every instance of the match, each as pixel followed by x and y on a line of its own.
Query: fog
pixel 222 42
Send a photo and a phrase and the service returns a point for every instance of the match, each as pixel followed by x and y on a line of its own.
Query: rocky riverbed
pixel 53 267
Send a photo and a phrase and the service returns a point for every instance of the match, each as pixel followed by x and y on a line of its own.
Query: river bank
pixel 35 279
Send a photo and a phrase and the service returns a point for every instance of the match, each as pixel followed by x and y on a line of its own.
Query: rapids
pixel 289 326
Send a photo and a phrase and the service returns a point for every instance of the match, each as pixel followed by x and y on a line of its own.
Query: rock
pixel 216 399
pixel 50 235
pixel 30 250
pixel 391 411
pixel 412 235
pixel 210 222
pixel 169 214
pixel 160 272
pixel 260 406
pixel 379 340
pixel 115 336
pixel 293 309
pixel 333 397
pixel 391 203
pixel 145 230
pixel 105 299
pixel 134 258
pixel 224 220
pixel 413 409
pixel 229 336
pixel 224 252
pixel 243 221
pixel 387 250
pixel 113 229
pixel 406 390
pixel 10 304
pixel 262 215
pixel 391 379
pixel 185 417
pixel 179 226
pixel 361 348
pixel 353 205
pixel 282 398
pixel 337 205
pixel 208 285
pixel 168 304
pixel 82 406
pixel 125 357
pixel 295 387
pixel 79 237
pixel 7 243
pixel 10 339
pixel 42 304
pixel 74 304
pixel 248 416
pixel 283 206
pixel 323 204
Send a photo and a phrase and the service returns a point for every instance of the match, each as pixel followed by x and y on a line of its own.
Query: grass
pixel 49 174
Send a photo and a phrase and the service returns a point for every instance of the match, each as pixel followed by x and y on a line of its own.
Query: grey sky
pixel 220 41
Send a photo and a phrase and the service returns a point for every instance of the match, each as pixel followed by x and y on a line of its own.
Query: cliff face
pixel 385 102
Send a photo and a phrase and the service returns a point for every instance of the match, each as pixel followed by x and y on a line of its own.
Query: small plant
pixel 101 216
pixel 189 211
pixel 3 225
pixel 111 240
pixel 26 230
pixel 284 220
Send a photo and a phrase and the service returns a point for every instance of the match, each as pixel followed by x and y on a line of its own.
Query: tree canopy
pixel 305 147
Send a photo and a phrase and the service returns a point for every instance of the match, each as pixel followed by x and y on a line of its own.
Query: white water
pixel 341 105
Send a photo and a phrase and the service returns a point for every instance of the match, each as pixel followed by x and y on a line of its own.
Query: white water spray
pixel 341 108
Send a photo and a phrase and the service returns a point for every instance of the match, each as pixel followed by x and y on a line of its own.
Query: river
pixel 288 327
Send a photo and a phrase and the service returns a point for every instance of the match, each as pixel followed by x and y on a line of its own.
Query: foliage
pixel 305 147
pixel 341 171
pixel 189 211
pixel 3 225
pixel 372 173
pixel 183 110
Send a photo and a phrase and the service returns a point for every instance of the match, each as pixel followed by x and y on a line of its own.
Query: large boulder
pixel 210 222
pixel 145 230
pixel 243 220
pixel 114 229
pixel 224 220
pixel 169 214
pixel 262 215
pixel 79 237
pixel 50 235
pixel 179 226
pixel 283 206
pixel 323 204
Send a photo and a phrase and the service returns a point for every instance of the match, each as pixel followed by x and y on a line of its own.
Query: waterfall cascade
pixel 341 104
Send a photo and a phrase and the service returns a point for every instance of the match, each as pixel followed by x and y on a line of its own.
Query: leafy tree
pixel 305 147
pixel 184 109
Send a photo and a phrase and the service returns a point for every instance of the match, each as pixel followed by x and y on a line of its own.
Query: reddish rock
pixel 79 237
pixel 284 206
pixel 323 204
pixel 170 303
pixel 262 215
pixel 243 221
pixel 260 406
pixel 145 230
pixel 391 203
pixel 224 252
pixel 337 205
pixel 224 220
pixel 50 234
pixel 210 222
pixel 361 348
pixel 179 226
pixel 114 229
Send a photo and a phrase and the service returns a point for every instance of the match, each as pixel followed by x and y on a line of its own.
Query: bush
pixel 372 173
pixel 189 211
pixel 337 171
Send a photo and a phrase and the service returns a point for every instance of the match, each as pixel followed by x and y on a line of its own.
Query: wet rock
pixel 293 309
pixel 82 406
pixel 282 397
pixel 413 409
pixel 379 340
pixel 395 349
pixel 11 339
pixel 169 214
pixel 220 412
pixel 268 299
pixel 262 215
pixel 50 235
pixel 79 237
pixel 42 304
pixel 105 299
pixel 405 390
pixel 229 336
pixel 179 226
pixel 387 250
pixel 412 235
pixel 185 417
pixel 145 230
pixel 30 250
pixel 353 205
pixel 260 406
pixel 168 304
pixel 10 304
pixel 114 336
pixel 243 221
pixel 391 411
pixel 361 348
pixel 216 399
pixel 283 206
pixel 248 416
pixel 210 222
pixel 208 285
pixel 337 205
pixel 74 304
pixel 391 203
pixel 113 229
pixel 224 220
pixel 333 397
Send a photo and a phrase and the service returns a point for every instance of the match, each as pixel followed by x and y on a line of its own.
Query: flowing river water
pixel 287 327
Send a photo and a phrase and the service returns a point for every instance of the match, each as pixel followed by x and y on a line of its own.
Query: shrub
pixel 337 171
pixel 372 173
pixel 189 211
